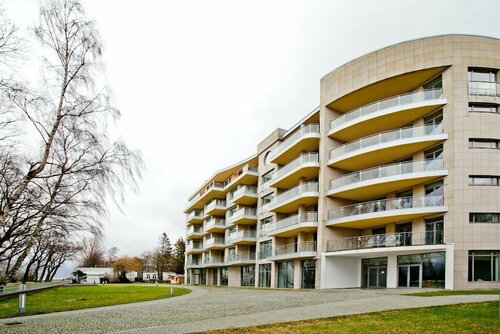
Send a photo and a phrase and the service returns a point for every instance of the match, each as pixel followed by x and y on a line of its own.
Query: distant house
pixel 96 275
pixel 132 276
pixel 149 276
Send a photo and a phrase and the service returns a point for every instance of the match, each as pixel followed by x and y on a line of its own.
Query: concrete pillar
pixel 392 271
pixel 274 275
pixel 449 267
pixel 296 274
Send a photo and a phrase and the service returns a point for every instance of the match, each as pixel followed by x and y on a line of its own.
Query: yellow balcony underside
pixel 393 120
pixel 376 190
pixel 293 205
pixel 247 200
pixel 293 230
pixel 396 216
pixel 248 179
pixel 195 236
pixel 308 172
pixel 207 198
pixel 380 90
pixel 385 153
pixel 194 251
pixel 248 241
pixel 215 247
pixel 309 144
pixel 216 228
pixel 216 211
pixel 245 220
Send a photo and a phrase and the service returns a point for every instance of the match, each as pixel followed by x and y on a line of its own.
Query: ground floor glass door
pixel 374 273
pixel 410 276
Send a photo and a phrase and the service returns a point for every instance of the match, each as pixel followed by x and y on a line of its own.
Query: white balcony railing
pixel 214 222
pixel 387 137
pixel 479 88
pixel 195 214
pixel 287 143
pixel 400 203
pixel 214 242
pixel 209 260
pixel 241 235
pixel 401 100
pixel 307 187
pixel 402 239
pixel 233 257
pixel 297 247
pixel 191 246
pixel 216 203
pixel 246 211
pixel 245 190
pixel 306 217
pixel 305 158
pixel 194 229
pixel 401 168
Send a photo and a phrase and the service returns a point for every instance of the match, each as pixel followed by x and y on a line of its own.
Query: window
pixel 436 83
pixel 434 231
pixel 267 159
pixel 483 143
pixel 224 276
pixel 479 180
pixel 266 226
pixel 491 108
pixel 265 249
pixel 285 274
pixel 482 81
pixel 265 275
pixel 434 153
pixel 484 266
pixel 267 199
pixel 267 177
pixel 247 276
pixel 308 274
pixel 435 118
pixel 434 193
pixel 433 267
pixel 484 217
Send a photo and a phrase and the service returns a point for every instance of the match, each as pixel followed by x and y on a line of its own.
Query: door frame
pixel 420 274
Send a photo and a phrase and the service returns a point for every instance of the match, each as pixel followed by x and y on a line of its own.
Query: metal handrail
pixel 306 217
pixel 214 222
pixel 241 212
pixel 403 99
pixel 301 188
pixel 388 170
pixel 386 240
pixel 399 203
pixel 296 247
pixel 307 157
pixel 251 234
pixel 309 128
pixel 386 137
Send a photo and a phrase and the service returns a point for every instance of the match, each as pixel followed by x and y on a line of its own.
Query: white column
pixel 449 259
pixel 392 271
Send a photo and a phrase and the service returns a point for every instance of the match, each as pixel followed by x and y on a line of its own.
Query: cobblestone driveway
pixel 206 308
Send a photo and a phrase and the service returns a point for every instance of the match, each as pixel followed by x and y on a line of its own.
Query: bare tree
pixel 92 252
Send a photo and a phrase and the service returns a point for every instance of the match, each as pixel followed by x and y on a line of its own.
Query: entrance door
pixel 404 234
pixel 410 276
pixel 377 277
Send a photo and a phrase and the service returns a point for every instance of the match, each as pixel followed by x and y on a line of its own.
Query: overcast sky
pixel 200 83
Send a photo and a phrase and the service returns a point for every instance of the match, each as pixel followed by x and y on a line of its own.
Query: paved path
pixel 215 308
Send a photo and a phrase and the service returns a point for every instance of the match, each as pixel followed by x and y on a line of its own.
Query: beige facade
pixel 392 182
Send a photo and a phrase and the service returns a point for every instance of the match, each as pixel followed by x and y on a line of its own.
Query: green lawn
pixel 80 297
pixel 454 293
pixel 464 318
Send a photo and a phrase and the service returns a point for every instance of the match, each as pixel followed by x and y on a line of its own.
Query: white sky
pixel 200 83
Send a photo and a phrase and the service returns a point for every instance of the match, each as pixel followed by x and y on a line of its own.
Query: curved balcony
pixel 195 217
pixel 194 232
pixel 305 139
pixel 242 216
pixel 378 181
pixel 245 195
pixel 194 248
pixel 236 259
pixel 385 147
pixel 386 114
pixel 214 243
pixel 376 213
pixel 306 166
pixel 214 224
pixel 404 239
pixel 303 249
pixel 212 262
pixel 248 237
pixel 216 207
pixel 212 190
pixel 305 222
pixel 304 194
pixel 247 175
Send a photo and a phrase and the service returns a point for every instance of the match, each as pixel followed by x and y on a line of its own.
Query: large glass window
pixel 265 249
pixel 479 180
pixel 482 74
pixel 267 177
pixel 434 153
pixel 484 217
pixel 308 280
pixel 489 108
pixel 285 274
pixel 484 266
pixel 483 143
pixel 247 276
pixel 434 118
pixel 482 81
pixel 224 276
pixel 433 268
pixel 434 231
pixel 436 83
pixel 265 275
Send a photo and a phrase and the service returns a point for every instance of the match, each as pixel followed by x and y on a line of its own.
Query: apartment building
pixel 393 181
